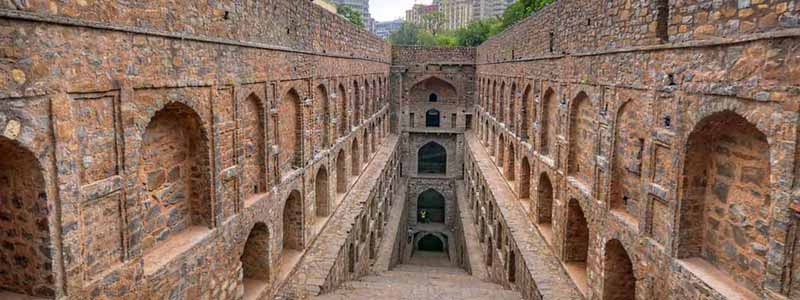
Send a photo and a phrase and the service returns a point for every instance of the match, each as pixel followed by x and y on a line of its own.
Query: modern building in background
pixel 327 5
pixel 483 9
pixel 384 29
pixel 361 6
pixel 459 13
pixel 414 15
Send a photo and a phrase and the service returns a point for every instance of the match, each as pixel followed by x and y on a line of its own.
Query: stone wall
pixel 631 143
pixel 173 149
pixel 585 26
pixel 347 246
pixel 433 83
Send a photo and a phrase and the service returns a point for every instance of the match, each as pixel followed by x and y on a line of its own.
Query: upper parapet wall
pixel 580 26
pixel 407 55
pixel 290 24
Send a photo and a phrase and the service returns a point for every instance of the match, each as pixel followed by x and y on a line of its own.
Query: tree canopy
pixel 429 33
pixel 351 15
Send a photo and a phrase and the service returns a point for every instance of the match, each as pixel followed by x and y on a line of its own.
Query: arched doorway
pixel 512 161
pixel 501 152
pixel 576 243
pixel 544 207
pixel 549 121
pixel 324 118
pixel 726 195
pixel 432 159
pixel 524 114
pixel 290 133
pixel 174 144
pixel 355 158
pixel 629 133
pixel 524 179
pixel 430 243
pixel 255 167
pixel 344 126
pixel 341 173
pixel 432 118
pixel 581 137
pixel 366 151
pixel 321 192
pixel 356 104
pixel 501 107
pixel 255 261
pixel 619 282
pixel 27 263
pixel 512 108
pixel 430 207
pixel 293 223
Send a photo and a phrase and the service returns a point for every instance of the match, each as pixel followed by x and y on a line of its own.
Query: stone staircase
pixel 421 282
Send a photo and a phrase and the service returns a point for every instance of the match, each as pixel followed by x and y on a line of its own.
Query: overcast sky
pixel 387 10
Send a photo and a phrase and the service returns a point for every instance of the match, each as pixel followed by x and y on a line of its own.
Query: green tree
pixel 476 32
pixel 521 9
pixel 433 22
pixel 408 34
pixel 351 15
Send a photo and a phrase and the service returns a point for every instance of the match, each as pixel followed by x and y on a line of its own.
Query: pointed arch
pixel 254 146
pixel 629 141
pixel 512 162
pixel 494 98
pixel 323 115
pixel 524 179
pixel 290 131
pixel 443 90
pixel 501 107
pixel 322 193
pixel 341 173
pixel 255 260
pixel 619 282
pixel 174 144
pixel 27 263
pixel 548 128
pixel 525 115
pixel 357 103
pixel 576 240
pixel 432 159
pixel 501 151
pixel 344 126
pixel 581 139
pixel 431 207
pixel 544 207
pixel 293 225
pixel 355 158
pixel 715 182
pixel 512 108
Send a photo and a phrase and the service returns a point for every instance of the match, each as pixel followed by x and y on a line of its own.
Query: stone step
pixel 415 282
pixel 430 270
pixel 441 286
pixel 443 281
pixel 416 292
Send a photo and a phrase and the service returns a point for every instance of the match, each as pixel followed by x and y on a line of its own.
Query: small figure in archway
pixel 424 216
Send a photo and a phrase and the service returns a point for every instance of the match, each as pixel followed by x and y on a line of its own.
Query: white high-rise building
pixel 361 6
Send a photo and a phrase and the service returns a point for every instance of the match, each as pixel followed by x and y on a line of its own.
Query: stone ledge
pixel 552 281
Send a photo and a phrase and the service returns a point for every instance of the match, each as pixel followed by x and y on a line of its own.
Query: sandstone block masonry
pixel 178 149
pixel 652 144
